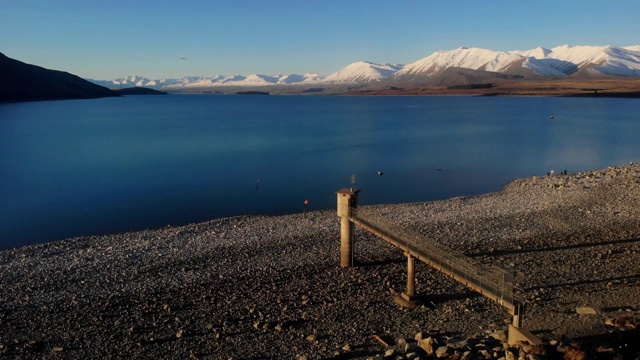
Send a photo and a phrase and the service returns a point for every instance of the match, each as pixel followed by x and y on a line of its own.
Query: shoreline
pixel 272 286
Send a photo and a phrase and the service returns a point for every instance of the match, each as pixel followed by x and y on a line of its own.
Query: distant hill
pixel 139 91
pixel 25 82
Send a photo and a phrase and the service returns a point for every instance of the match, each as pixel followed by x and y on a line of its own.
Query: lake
pixel 86 167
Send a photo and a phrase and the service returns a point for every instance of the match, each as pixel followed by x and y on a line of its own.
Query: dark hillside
pixel 25 82
pixel 139 91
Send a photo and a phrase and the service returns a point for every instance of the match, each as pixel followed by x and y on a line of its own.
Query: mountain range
pixel 560 62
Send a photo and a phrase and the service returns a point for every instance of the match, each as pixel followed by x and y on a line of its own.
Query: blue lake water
pixel 83 167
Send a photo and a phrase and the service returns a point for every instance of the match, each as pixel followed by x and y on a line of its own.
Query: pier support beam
pixel 347 201
pixel 518 313
pixel 409 298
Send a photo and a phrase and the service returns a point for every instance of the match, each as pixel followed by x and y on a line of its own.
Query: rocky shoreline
pixel 271 287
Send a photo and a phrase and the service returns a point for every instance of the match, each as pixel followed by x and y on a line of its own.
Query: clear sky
pixel 108 39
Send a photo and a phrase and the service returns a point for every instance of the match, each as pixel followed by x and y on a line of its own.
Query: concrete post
pixel 409 298
pixel 517 315
pixel 516 321
pixel 411 276
pixel 347 201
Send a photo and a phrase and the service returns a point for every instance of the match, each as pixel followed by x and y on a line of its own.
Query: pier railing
pixel 492 282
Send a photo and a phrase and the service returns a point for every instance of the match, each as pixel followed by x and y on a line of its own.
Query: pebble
pixel 126 294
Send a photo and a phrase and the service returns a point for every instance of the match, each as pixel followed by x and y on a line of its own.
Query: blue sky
pixel 103 39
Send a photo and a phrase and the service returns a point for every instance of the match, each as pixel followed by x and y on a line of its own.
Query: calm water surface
pixel 71 168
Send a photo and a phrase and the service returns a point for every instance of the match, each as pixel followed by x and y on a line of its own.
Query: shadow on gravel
pixel 617 345
pixel 619 308
pixel 567 247
pixel 443 298
pixel 585 282
pixel 380 263
pixel 294 324
pixel 359 351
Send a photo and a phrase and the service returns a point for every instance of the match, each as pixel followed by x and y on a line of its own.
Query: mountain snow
pixel 251 80
pixel 473 58
pixel 609 60
pixel 307 78
pixel 560 61
pixel 362 71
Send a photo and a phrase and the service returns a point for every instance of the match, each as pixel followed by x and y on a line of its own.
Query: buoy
pixel 380 173
pixel 551 117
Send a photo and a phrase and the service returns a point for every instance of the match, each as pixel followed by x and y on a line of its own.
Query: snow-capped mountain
pixel 473 58
pixel 239 80
pixel 605 60
pixel 136 80
pixel 561 61
pixel 362 71
pixel 307 78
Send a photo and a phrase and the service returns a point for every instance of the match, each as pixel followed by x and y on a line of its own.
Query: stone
pixel 419 336
pixel 180 333
pixel 586 310
pixel 443 352
pixel 410 347
pixel 346 347
pixel 457 343
pixel 389 352
pixel 427 345
pixel 499 335
pixel 311 338
pixel 497 351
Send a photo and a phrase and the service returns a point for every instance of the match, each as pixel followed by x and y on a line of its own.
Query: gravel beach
pixel 271 287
